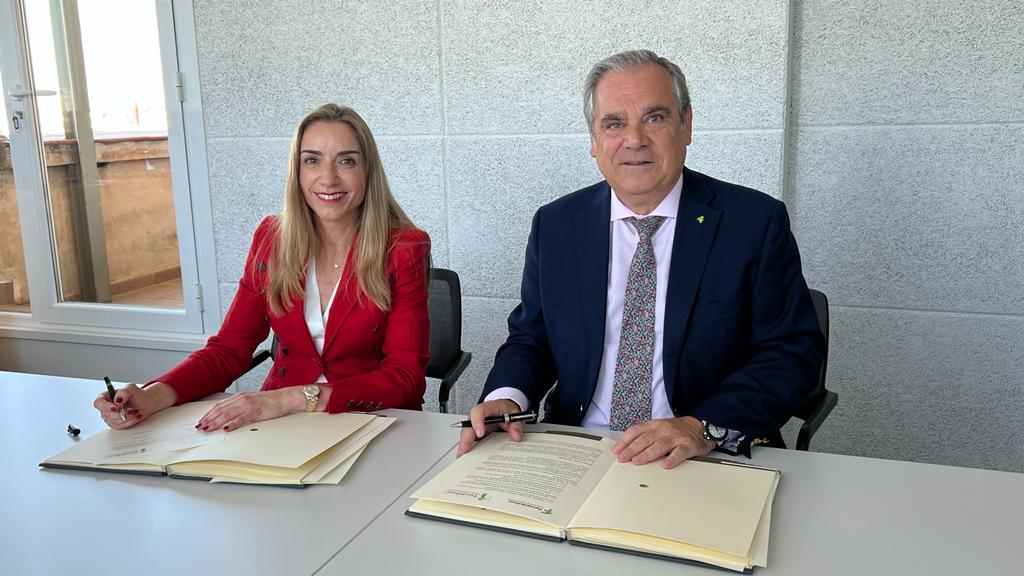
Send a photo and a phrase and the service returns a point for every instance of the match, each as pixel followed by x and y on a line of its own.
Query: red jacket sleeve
pixel 401 379
pixel 227 354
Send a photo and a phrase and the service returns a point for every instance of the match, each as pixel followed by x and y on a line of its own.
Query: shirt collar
pixel 669 206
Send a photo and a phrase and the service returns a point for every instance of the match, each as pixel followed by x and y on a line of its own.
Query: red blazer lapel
pixel 344 299
pixel 294 329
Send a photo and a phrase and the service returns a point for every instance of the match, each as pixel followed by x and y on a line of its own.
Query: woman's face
pixel 332 172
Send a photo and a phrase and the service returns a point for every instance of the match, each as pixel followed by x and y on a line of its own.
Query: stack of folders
pixel 570 487
pixel 294 450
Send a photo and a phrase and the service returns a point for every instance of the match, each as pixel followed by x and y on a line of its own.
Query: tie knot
pixel 646 226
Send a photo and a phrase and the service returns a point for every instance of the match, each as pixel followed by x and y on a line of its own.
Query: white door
pixel 93 147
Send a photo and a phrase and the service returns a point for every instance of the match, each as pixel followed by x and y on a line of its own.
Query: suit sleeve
pixel 401 379
pixel 228 353
pixel 525 361
pixel 785 341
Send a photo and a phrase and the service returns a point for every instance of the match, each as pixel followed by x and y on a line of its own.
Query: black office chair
pixel 447 358
pixel 820 404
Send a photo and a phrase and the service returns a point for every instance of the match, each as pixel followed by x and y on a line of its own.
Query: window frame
pixel 147 327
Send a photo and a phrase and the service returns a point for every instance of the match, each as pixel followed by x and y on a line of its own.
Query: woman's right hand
pixel 139 404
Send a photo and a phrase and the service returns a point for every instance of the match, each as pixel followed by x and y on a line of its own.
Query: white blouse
pixel 315 321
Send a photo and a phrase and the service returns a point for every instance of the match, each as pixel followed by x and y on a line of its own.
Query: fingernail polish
pixel 225 427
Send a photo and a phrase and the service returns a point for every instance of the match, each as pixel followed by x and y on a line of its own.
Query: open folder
pixel 294 450
pixel 570 487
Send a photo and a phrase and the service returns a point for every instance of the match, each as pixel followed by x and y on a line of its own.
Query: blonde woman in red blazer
pixel 340 276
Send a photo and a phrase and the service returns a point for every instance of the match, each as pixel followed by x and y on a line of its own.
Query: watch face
pixel 312 394
pixel 716 432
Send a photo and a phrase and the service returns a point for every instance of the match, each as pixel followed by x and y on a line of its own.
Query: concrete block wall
pixel 890 130
pixel 904 182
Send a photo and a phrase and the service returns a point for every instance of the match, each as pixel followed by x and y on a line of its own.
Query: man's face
pixel 639 140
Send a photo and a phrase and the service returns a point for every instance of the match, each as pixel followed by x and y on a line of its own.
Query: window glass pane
pixel 111 203
pixel 13 284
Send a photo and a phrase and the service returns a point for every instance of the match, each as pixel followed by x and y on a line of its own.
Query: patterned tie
pixel 634 364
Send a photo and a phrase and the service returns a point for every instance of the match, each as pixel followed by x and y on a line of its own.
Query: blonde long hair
pixel 298 241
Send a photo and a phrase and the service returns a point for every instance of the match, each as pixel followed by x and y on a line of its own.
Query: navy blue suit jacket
pixel 742 346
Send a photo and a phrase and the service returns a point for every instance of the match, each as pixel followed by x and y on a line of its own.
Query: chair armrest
pixel 257 359
pixel 815 419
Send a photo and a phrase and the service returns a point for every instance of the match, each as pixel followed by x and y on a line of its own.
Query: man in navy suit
pixel 661 301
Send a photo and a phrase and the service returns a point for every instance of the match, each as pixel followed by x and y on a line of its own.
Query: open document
pixel 570 487
pixel 294 450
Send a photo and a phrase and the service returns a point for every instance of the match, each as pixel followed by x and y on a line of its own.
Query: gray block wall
pixel 892 131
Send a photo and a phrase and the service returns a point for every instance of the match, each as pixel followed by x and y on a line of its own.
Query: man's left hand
pixel 677 439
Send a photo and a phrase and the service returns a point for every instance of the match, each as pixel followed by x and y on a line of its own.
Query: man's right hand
pixel 479 430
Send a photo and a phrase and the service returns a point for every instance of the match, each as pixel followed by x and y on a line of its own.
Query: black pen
pixel 111 392
pixel 504 418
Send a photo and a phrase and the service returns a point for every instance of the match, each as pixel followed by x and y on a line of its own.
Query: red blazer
pixel 372 359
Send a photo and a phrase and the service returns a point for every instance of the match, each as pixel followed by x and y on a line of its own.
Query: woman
pixel 340 276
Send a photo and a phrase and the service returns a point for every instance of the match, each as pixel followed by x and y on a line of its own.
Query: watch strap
pixel 312 393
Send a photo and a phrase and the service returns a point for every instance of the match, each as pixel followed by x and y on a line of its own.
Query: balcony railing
pixel 138 219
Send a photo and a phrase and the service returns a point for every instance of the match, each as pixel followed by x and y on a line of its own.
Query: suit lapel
pixel 298 331
pixel 592 230
pixel 695 234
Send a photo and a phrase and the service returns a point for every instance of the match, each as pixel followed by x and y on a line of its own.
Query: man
pixel 663 302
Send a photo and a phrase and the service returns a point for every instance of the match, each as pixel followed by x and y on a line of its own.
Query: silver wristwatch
pixel 714 433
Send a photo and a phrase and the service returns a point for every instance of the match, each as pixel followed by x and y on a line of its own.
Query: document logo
pixel 469 494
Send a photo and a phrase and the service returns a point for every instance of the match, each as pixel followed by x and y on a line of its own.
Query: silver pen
pixel 529 416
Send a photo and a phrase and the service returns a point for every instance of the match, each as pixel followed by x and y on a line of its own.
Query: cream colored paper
pixel 341 470
pixel 279 451
pixel 713 512
pixel 545 478
pixel 286 442
pixel 759 549
pixel 485 517
pixel 707 505
pixel 146 446
pixel 343 450
pixel 166 431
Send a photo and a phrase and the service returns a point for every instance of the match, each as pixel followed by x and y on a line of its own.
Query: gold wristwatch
pixel 312 393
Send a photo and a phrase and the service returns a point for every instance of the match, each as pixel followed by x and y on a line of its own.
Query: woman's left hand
pixel 247 407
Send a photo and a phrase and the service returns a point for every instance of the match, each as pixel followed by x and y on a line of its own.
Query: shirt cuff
pixel 509 393
pixel 732 441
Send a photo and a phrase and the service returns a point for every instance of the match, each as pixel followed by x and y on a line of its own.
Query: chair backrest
pixel 445 305
pixel 821 308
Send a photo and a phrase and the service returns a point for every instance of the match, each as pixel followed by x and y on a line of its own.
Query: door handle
pixel 20 94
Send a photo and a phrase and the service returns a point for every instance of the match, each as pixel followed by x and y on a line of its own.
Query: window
pixel 96 172
pixel 13 288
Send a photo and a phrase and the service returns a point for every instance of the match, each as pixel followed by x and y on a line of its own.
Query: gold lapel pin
pixel 700 219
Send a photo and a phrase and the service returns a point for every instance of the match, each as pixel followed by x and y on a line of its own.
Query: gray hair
pixel 634 59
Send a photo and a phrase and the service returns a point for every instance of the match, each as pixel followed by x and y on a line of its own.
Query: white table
pixel 83 523
pixel 834 515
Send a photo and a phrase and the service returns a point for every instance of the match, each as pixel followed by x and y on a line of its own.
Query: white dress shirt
pixel 315 320
pixel 624 240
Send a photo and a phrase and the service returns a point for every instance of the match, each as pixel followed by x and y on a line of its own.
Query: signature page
pixel 546 477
